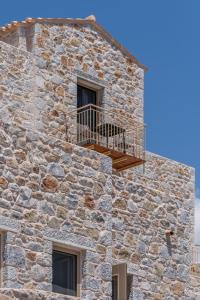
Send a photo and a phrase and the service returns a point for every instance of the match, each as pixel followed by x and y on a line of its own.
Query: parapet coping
pixel 90 20
pixel 170 160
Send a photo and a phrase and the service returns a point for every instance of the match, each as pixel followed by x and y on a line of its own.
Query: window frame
pixel 67 250
pixel 93 87
pixel 120 270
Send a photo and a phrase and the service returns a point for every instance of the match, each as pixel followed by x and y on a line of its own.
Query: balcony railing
pixel 196 254
pixel 108 131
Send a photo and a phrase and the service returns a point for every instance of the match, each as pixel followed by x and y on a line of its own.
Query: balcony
pixel 111 132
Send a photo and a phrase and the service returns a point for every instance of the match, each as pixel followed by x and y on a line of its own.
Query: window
pixel 86 116
pixel 85 96
pixel 66 272
pixel 89 92
pixel 119 282
pixel 115 287
pixel 89 102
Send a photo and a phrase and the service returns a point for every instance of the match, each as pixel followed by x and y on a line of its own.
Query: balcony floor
pixel 120 161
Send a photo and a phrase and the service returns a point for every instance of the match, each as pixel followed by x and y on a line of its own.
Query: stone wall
pixel 48 184
pixel 30 96
pixel 82 51
pixel 21 37
pixel 195 280
pixel 53 192
pixel 49 89
pixel 73 48
pixel 11 38
pixel 143 209
pixel 29 294
pixel 165 175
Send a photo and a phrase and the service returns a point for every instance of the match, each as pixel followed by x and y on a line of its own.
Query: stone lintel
pixel 8 224
pixel 70 240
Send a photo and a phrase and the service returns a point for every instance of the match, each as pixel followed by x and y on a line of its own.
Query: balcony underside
pixel 120 161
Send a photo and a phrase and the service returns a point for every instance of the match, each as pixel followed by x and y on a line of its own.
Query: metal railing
pixel 109 128
pixel 196 254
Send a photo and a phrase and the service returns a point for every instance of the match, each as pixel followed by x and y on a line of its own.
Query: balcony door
pixel 87 115
pixel 85 96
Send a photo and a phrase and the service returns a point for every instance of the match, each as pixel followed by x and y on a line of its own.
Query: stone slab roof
pixel 91 20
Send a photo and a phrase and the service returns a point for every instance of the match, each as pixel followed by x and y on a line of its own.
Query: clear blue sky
pixel 163 35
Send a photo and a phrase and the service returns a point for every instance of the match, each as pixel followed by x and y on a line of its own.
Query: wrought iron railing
pixel 109 128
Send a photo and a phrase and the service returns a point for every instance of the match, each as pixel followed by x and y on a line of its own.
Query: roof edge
pixel 90 20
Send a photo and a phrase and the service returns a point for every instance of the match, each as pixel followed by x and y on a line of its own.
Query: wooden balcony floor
pixel 120 161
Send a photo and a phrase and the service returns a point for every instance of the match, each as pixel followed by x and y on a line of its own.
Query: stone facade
pixel 52 191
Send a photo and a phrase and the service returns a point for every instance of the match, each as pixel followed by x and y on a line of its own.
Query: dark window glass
pixel 86 116
pixel 64 273
pixel 115 288
pixel 1 257
pixel 85 96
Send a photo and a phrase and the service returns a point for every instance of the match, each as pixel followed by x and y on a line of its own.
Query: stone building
pixel 85 211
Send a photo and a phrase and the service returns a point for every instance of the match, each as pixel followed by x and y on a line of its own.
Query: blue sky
pixel 163 35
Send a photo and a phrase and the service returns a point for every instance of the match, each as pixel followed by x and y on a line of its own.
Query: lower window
pixel 66 272
pixel 115 287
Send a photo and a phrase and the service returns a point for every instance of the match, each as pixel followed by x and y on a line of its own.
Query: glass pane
pixel 86 116
pixel 114 288
pixel 85 96
pixel 64 273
